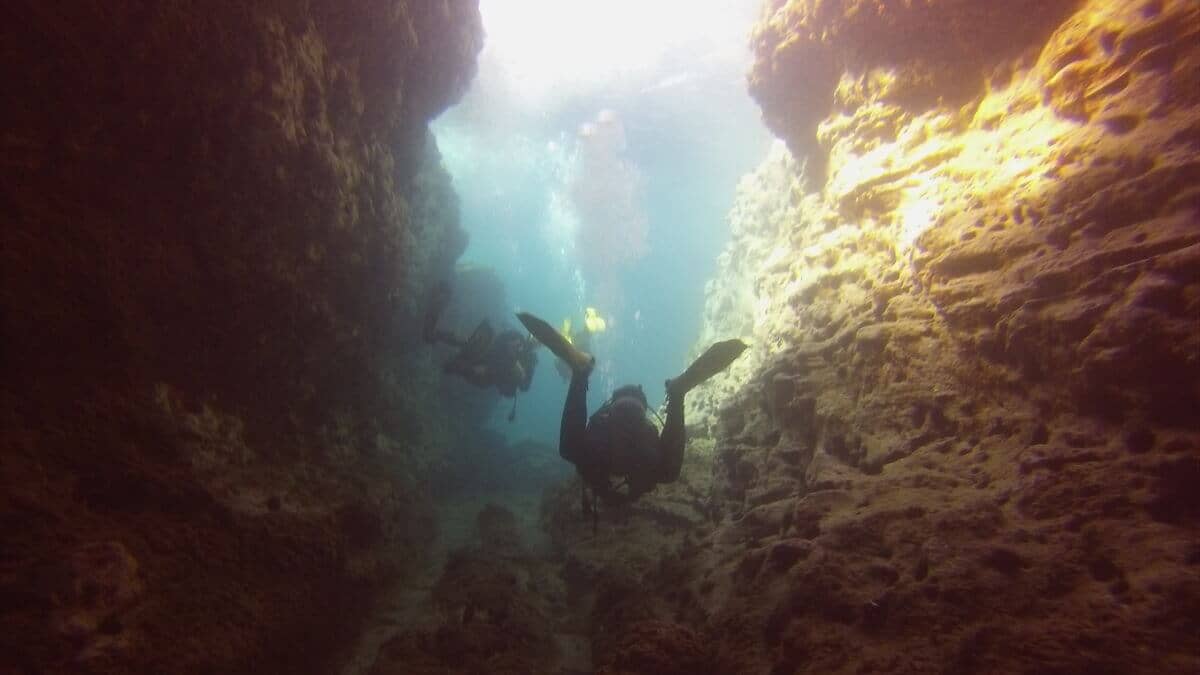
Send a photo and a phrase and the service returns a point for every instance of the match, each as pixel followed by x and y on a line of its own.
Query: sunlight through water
pixel 595 156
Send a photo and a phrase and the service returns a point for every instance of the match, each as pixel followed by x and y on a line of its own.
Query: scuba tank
pixel 623 441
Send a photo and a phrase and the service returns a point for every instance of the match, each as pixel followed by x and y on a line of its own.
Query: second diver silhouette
pixel 505 361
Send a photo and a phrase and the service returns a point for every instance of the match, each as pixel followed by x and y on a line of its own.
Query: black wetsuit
pixel 620 443
pixel 511 360
pixel 506 361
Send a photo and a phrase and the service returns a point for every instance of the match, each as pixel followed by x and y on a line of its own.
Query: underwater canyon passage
pixel 965 437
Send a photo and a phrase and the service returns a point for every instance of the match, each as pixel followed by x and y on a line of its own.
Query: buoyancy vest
pixel 622 440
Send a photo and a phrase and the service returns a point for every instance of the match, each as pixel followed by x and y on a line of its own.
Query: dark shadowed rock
pixel 217 222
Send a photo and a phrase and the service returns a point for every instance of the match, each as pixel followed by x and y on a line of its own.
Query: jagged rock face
pixel 938 49
pixel 218 224
pixel 229 179
pixel 965 438
pixel 492 610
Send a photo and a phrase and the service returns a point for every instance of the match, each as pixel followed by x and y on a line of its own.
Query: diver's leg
pixel 671 442
pixel 572 434
pixel 670 445
pixel 573 431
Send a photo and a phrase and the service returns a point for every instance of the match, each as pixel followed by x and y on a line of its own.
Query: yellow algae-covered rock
pixel 972 292
pixel 991 187
pixel 1101 199
pixel 939 50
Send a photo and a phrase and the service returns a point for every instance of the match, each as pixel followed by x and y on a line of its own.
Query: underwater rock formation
pixel 966 437
pixel 492 611
pixel 936 53
pixel 218 222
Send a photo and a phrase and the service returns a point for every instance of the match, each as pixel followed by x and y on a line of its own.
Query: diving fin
pixel 715 359
pixel 579 360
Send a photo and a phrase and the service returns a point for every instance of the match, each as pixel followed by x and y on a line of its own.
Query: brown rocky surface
pixel 219 222
pixel 967 435
pixel 494 609
pixel 937 52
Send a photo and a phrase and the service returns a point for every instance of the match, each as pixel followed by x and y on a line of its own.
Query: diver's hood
pixel 633 391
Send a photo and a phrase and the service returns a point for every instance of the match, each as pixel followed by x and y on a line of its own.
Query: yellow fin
pixel 580 361
pixel 566 330
pixel 594 322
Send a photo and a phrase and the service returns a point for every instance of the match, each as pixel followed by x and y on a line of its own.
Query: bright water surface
pixel 595 167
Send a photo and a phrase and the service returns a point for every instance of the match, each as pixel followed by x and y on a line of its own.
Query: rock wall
pixel 966 438
pixel 936 51
pixel 219 222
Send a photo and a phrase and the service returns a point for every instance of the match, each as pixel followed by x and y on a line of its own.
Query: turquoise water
pixel 604 187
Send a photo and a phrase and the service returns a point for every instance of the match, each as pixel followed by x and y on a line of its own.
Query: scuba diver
pixel 485 359
pixel 619 440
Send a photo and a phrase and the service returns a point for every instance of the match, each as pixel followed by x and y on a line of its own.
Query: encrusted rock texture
pixel 494 609
pixel 218 224
pixel 967 435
